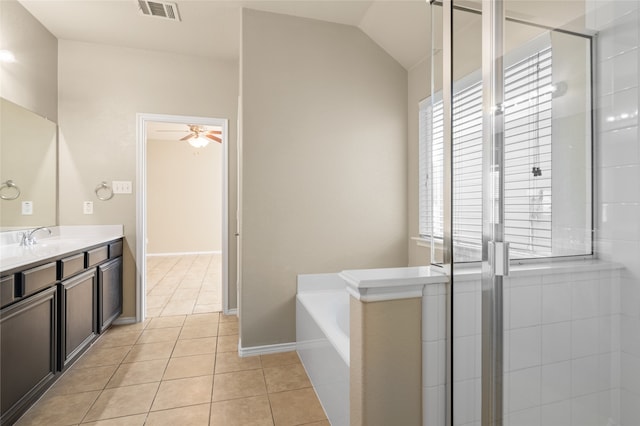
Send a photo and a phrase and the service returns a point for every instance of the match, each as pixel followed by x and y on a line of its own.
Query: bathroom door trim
pixel 141 202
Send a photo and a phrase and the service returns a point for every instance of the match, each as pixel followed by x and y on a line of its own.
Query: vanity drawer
pixel 71 265
pixel 97 255
pixel 115 249
pixel 7 290
pixel 36 279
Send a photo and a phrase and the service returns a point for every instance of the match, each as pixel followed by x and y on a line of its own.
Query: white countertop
pixel 63 239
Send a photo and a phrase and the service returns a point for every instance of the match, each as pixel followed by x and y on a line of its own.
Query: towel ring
pixel 10 185
pixel 105 189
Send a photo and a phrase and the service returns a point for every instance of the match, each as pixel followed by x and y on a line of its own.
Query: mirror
pixel 28 169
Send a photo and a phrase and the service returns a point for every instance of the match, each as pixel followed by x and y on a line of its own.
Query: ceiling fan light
pixel 198 142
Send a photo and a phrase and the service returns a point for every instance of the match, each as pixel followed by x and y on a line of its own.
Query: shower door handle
pixel 499 252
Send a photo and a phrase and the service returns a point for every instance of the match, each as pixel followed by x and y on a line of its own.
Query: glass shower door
pixel 534 313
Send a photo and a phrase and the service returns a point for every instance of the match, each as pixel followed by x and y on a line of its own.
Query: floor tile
pixel 195 331
pixel 201 346
pixel 150 351
pixel 178 307
pixel 185 294
pixel 167 322
pixel 59 410
pixel 135 420
pixel 228 318
pixel 228 343
pixel 227 362
pixel 190 366
pixel 211 319
pixel 227 328
pixel 282 358
pixel 240 384
pixel 123 401
pixel 199 309
pixel 183 392
pixel 195 415
pixel 138 372
pixel 159 335
pixel 254 411
pixel 98 357
pixel 296 407
pixel 118 339
pixel 286 377
pixel 83 380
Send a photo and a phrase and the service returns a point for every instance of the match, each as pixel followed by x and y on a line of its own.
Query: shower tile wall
pixel 561 349
pixel 618 172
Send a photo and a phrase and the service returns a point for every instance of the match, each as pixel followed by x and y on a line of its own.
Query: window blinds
pixel 527 106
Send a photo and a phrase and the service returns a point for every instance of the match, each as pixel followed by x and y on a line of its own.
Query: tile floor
pixel 180 369
pixel 181 285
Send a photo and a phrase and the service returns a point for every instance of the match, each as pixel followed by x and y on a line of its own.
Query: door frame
pixel 141 201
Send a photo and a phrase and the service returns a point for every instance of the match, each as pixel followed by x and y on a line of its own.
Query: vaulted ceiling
pixel 212 27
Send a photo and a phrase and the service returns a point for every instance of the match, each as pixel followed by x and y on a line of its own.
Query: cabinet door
pixel 78 315
pixel 110 292
pixel 28 344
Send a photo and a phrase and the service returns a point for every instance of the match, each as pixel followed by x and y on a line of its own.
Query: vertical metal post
pixel 447 100
pixel 492 210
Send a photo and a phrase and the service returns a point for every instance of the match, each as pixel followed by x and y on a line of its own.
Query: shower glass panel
pixel 542 330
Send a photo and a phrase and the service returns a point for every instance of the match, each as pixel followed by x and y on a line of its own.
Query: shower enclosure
pixel 530 141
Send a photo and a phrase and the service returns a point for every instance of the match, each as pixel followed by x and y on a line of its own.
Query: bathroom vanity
pixel 56 297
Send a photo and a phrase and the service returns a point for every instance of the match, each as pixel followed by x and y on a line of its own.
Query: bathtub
pixel 322 336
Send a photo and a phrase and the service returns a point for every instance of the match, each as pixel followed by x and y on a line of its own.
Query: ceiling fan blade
pixel 214 138
pixel 215 132
pixel 189 136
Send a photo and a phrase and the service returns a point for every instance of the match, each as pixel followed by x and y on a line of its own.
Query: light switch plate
pixel 121 186
pixel 87 207
pixel 27 207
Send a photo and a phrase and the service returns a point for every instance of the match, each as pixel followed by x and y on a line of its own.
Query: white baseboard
pixel 186 253
pixel 124 320
pixel 266 349
pixel 233 311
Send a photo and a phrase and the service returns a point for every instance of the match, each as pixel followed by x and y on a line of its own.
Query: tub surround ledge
pixel 376 285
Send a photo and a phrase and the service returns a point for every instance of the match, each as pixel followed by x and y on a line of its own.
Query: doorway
pixel 181 215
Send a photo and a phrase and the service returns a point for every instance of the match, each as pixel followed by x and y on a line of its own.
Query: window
pixel 528 119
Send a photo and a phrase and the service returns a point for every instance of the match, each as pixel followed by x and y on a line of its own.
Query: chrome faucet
pixel 28 239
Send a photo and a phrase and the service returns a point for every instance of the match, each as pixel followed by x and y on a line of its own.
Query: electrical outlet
pixel 87 207
pixel 121 186
pixel 27 207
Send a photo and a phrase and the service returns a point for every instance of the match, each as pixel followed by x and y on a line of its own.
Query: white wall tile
pixel 524 389
pixel 525 306
pixel 525 348
pixel 584 337
pixel 556 414
pixel 618 147
pixel 556 303
pixel 584 375
pixel 584 411
pixel 584 299
pixel 556 342
pixel 556 382
pixel 529 417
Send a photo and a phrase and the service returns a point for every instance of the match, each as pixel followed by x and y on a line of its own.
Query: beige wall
pixel 184 197
pixel 101 88
pixel 385 374
pixel 419 87
pixel 324 162
pixel 31 81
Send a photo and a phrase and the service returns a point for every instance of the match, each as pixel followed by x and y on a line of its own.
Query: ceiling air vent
pixel 161 9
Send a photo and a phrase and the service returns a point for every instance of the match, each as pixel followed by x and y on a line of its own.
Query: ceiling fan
pixel 198 136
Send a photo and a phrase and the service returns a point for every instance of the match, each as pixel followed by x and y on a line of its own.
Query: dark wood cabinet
pixel 51 312
pixel 78 326
pixel 109 292
pixel 28 338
